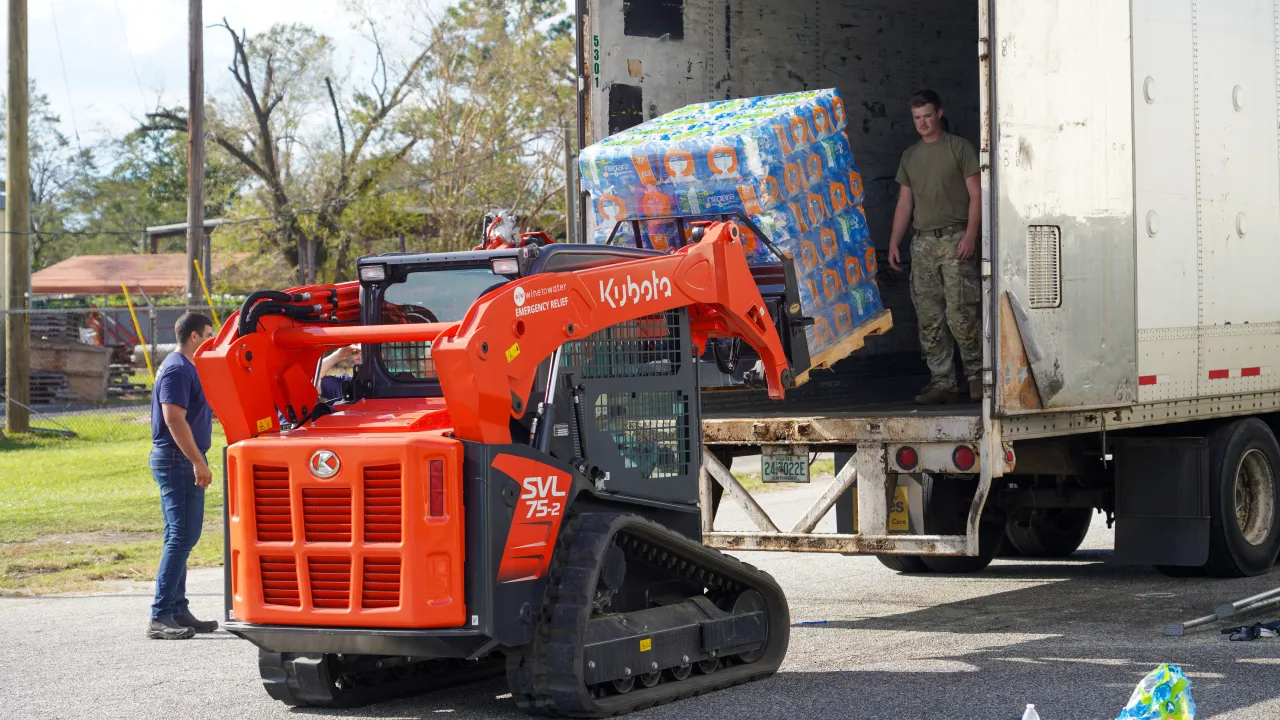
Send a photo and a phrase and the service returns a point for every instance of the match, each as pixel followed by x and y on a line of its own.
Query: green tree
pixel 56 166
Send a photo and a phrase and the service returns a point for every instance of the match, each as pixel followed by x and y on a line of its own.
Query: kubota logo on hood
pixel 324 464
pixel 627 291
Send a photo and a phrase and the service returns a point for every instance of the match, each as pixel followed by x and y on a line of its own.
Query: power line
pixel 71 106
pixel 129 48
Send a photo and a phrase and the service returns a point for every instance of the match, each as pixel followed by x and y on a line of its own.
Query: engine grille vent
pixel 326 514
pixel 382 504
pixel 381 583
pixel 280 581
pixel 330 582
pixel 271 506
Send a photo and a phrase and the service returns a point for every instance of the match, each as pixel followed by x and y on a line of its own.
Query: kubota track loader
pixel 510 479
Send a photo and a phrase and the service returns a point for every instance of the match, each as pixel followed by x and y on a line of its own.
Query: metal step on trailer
pixel 871 435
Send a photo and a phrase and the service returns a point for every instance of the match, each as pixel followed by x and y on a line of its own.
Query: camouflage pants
pixel 947 294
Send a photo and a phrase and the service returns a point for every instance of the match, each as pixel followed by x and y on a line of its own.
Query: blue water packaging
pixel 783 160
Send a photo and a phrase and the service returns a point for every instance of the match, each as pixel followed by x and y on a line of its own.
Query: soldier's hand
pixel 965 249
pixel 895 257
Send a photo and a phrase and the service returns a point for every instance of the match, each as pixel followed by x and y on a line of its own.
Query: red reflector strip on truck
pixel 1239 373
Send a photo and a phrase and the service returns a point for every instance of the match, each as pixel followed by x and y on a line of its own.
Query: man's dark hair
pixel 926 97
pixel 191 322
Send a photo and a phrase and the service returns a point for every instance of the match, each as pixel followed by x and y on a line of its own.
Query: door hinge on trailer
pixel 986 268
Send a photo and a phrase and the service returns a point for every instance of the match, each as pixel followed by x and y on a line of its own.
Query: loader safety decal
pixel 544 492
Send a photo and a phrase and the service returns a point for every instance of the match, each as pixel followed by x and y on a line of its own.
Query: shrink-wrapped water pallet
pixel 786 163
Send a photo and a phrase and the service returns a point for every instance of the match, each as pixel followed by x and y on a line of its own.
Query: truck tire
pixel 910 564
pixel 946 502
pixel 1244 507
pixel 1049 532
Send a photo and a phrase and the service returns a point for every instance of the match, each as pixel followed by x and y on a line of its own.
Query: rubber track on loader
pixel 546 678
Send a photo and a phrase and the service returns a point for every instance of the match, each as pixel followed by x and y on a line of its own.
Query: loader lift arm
pixel 488 361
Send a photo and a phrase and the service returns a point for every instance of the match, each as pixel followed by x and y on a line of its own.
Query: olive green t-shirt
pixel 936 173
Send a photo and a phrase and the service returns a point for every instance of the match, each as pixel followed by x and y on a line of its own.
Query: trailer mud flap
pixel 1162 501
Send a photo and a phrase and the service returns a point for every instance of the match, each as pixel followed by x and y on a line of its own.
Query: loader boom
pixel 487 362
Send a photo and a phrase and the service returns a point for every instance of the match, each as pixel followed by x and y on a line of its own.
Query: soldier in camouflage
pixel 939 198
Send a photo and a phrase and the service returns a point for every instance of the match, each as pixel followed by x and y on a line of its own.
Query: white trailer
pixel 1130 247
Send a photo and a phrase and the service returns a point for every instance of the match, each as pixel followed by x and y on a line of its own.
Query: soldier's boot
pixel 937 396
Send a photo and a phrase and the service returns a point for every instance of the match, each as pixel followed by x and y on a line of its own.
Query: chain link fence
pixel 91 368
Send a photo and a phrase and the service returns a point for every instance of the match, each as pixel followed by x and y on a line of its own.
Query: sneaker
pixel 975 390
pixel 167 628
pixel 201 626
pixel 937 396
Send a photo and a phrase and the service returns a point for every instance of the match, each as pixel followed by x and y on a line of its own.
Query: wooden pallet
pixel 46 388
pixel 878 324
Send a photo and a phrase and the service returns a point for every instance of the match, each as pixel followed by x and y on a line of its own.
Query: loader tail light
pixel 436 499
pixel 964 458
pixel 908 458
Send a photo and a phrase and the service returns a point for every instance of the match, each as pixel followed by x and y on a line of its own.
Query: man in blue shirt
pixel 181 433
pixel 330 386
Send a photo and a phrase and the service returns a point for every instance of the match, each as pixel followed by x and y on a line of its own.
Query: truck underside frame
pixel 869 436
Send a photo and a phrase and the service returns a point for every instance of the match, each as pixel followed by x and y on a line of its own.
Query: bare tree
pixel 307 186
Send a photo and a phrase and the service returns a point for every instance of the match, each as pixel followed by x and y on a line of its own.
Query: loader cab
pixel 398 288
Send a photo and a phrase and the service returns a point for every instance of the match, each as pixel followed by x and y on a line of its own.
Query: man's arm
pixel 175 416
pixel 969 243
pixel 327 363
pixel 901 223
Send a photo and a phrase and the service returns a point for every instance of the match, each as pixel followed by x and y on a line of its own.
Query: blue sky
pixel 98 38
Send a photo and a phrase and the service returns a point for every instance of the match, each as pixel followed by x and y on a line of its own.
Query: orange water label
pixel 813 166
pixel 827 237
pixel 852 270
pixel 817 208
pixel 679 164
pixel 641 163
pixel 722 160
pixel 839 197
pixel 749 202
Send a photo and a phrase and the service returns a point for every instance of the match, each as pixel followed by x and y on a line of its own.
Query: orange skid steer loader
pixel 435 525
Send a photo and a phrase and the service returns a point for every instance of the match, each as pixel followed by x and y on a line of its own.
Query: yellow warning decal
pixel 899 521
pixel 264 424
pixel 513 352
pixel 646 645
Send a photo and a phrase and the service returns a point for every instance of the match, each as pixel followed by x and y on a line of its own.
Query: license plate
pixel 784 463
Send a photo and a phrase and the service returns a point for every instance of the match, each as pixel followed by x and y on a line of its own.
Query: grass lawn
pixel 77 510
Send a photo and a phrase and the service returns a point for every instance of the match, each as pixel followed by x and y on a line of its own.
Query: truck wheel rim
pixel 1255 497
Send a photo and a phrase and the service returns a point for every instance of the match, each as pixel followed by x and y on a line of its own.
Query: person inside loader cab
pixel 330 386
pixel 181 432
pixel 940 199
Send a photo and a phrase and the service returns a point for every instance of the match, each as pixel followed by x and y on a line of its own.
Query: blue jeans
pixel 182 503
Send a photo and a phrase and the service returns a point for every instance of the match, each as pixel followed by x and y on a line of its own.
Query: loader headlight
pixel 373 273
pixel 506 266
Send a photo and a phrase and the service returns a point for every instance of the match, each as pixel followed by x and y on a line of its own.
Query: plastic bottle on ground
pixel 1030 713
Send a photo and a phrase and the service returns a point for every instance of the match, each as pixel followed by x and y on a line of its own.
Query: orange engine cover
pixel 345 530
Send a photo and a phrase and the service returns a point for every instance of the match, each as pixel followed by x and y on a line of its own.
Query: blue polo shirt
pixel 177 383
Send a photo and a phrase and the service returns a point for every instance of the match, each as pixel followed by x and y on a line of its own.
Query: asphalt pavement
pixel 1071 636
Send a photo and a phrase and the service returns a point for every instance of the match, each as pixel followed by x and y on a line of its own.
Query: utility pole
pixel 570 185
pixel 195 147
pixel 17 223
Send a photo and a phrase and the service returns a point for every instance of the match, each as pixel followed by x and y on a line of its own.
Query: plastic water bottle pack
pixel 782 160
